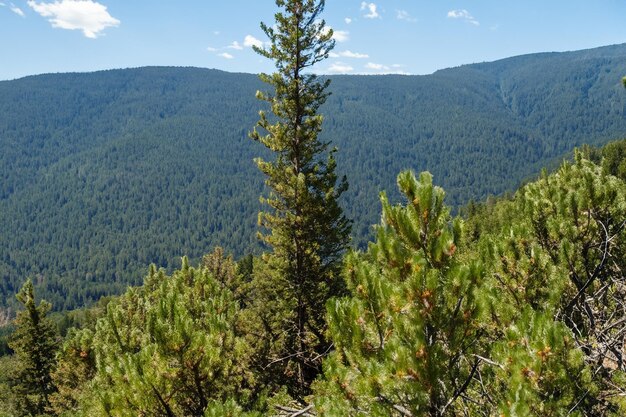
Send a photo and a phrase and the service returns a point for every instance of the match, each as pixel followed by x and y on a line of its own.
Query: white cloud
pixel 347 20
pixel 404 15
pixel 385 69
pixel 341 35
pixel 372 12
pixel 339 68
pixel 463 14
pixel 86 15
pixel 350 54
pixel 248 42
pixel 376 67
pixel 251 41
pixel 338 35
pixel 458 14
pixel 15 10
pixel 216 32
pixel 333 55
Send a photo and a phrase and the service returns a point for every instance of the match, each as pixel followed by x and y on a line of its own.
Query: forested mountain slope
pixel 104 173
pixel 530 326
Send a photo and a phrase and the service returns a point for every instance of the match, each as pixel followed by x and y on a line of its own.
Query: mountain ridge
pixel 103 173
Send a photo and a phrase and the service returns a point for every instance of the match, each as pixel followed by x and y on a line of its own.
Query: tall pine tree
pixel 305 226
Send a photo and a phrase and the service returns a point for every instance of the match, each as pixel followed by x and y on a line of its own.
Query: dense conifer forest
pixel 467 305
pixel 102 174
pixel 517 309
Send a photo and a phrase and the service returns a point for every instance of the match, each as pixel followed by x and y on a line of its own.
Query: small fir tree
pixel 35 344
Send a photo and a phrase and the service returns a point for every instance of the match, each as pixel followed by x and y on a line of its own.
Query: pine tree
pixel 75 369
pixel 536 366
pixel 169 348
pixel 408 339
pixel 430 329
pixel 578 217
pixel 35 344
pixel 305 226
pixel 556 256
pixel 8 365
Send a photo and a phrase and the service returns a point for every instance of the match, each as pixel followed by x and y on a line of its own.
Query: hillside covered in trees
pixel 518 310
pixel 104 173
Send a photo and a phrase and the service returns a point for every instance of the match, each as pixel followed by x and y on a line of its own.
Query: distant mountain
pixel 104 173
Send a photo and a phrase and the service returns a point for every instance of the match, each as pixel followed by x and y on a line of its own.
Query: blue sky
pixel 378 36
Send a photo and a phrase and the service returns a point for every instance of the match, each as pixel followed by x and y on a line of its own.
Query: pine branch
pixel 293 412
